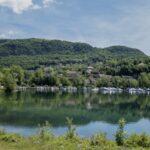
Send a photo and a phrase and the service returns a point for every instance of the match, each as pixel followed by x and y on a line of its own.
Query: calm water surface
pixel 21 112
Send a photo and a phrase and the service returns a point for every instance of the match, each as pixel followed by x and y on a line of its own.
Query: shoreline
pixel 70 89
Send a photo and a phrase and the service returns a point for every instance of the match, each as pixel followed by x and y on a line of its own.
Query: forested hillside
pixel 33 53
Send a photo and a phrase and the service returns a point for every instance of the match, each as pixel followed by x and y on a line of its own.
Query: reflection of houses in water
pixel 70 103
pixel 148 91
pixel 88 106
pixel 95 90
pixel 1 87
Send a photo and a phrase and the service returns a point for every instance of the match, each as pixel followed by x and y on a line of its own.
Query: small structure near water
pixel 70 89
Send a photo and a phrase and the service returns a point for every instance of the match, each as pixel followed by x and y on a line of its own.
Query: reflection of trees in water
pixel 31 108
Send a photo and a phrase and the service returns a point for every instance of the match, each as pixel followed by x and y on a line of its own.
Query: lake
pixel 21 112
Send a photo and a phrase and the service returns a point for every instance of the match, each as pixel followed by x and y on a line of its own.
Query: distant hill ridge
pixel 17 47
pixel 34 53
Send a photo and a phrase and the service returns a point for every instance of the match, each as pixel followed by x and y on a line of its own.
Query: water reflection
pixel 92 112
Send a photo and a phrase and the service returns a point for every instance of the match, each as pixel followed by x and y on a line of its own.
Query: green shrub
pixel 99 139
pixel 144 140
pixel 10 138
pixel 9 83
pixel 71 129
pixel 2 132
pixel 120 134
pixel 45 133
pixel 135 140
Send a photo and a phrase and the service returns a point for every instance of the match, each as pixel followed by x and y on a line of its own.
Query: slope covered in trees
pixel 33 53
pixel 40 47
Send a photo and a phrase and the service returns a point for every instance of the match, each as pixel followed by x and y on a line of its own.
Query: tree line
pixel 17 76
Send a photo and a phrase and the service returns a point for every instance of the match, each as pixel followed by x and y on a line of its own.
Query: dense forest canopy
pixel 62 63
pixel 40 47
pixel 33 53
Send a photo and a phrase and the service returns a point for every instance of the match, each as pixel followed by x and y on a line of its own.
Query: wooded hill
pixel 33 53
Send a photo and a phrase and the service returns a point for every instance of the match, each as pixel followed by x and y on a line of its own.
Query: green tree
pixel 51 80
pixel 144 80
pixel 28 77
pixel 38 77
pixel 64 81
pixel 18 74
pixel 1 78
pixel 9 82
pixel 133 83
pixel 117 81
pixel 104 82
pixel 71 129
pixel 120 134
pixel 78 81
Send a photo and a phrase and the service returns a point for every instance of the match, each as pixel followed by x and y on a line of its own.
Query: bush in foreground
pixel 44 140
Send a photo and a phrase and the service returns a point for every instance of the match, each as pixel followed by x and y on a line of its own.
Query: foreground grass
pixel 45 140
pixel 50 142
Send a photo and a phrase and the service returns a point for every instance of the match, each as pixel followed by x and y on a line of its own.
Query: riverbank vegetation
pixel 39 62
pixel 77 76
pixel 46 140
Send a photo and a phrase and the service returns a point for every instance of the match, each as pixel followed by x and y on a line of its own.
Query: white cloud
pixel 8 34
pixel 131 29
pixel 18 6
pixel 35 7
pixel 46 3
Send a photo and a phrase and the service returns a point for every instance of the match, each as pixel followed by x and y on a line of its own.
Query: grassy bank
pixel 45 140
pixel 15 142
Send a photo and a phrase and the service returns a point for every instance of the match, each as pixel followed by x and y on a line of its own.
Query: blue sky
pixel 98 22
